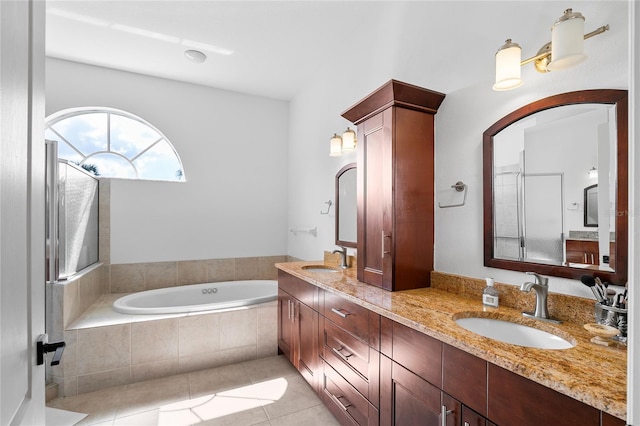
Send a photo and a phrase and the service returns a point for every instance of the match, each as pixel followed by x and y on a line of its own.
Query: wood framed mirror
pixel 346 207
pixel 535 168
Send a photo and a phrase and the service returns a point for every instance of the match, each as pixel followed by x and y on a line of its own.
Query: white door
pixel 22 265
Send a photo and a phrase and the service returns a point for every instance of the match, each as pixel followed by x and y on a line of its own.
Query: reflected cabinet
pixel 395 179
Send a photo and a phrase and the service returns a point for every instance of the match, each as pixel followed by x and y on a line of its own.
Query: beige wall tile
pixel 71 308
pixel 192 272
pixel 104 380
pixel 69 386
pixel 160 275
pixel 267 323
pixel 127 278
pixel 202 361
pixel 90 288
pixel 198 334
pixel 104 221
pixel 154 370
pixel 154 341
pixel 105 279
pixel 104 348
pixel 268 270
pixel 238 328
pixel 247 268
pixel 221 270
pixel 69 363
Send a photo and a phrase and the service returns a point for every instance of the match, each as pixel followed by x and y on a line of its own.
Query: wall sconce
pixel 345 143
pixel 593 173
pixel 565 50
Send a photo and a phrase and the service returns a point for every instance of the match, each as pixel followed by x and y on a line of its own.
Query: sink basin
pixel 319 268
pixel 513 333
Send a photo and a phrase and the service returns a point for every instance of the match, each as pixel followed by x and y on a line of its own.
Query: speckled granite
pixel 590 373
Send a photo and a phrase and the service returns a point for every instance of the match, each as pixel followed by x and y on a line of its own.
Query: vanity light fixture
pixel 345 143
pixel 349 140
pixel 565 50
pixel 593 173
pixel 335 146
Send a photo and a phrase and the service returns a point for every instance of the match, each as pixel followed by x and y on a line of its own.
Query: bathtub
pixel 198 297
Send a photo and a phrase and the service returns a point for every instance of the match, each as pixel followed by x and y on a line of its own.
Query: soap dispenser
pixel 490 294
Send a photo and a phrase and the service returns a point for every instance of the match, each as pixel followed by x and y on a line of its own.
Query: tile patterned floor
pixel 265 392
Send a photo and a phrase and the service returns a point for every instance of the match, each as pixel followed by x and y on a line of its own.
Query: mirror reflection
pixel 541 167
pixel 346 206
pixel 552 195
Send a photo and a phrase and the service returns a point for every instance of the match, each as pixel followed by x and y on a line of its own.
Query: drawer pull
pixel 443 415
pixel 466 424
pixel 339 312
pixel 344 356
pixel 343 406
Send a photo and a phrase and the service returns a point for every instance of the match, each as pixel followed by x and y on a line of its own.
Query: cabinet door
pixel 307 357
pixel 285 324
pixel 375 211
pixel 406 399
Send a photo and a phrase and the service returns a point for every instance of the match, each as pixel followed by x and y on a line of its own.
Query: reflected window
pixel 114 143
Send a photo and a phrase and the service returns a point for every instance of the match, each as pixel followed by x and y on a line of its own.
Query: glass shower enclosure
pixel 72 217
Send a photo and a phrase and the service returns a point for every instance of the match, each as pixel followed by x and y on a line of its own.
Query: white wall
pixel 234 152
pixel 471 106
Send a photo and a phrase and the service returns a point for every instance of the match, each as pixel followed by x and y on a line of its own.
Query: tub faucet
pixel 344 259
pixel 540 285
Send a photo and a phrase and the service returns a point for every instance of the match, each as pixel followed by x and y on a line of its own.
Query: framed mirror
pixel 537 162
pixel 346 207
pixel 591 206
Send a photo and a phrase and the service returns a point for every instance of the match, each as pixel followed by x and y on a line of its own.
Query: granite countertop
pixel 593 374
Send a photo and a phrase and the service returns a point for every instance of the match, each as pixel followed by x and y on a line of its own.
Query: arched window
pixel 114 143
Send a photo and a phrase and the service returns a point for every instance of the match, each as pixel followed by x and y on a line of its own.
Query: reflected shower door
pixel 544 218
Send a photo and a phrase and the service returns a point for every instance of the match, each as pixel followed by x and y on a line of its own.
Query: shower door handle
pixel 44 347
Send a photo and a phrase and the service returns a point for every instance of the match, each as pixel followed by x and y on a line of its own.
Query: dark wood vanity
pixel 372 370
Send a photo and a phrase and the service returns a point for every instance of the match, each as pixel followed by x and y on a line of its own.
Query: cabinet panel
pixel 515 400
pixel 418 352
pixel 307 354
pixel 344 401
pixel 464 376
pixel 301 290
pixel 406 399
pixel 348 315
pixel 285 324
pixel 609 420
pixel 471 418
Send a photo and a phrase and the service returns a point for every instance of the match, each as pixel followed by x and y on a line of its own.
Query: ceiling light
pixel 195 56
pixel 564 51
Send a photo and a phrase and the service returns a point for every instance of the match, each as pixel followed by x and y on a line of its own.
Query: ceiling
pixel 274 48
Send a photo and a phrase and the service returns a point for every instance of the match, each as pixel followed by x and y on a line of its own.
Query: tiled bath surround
pixel 112 355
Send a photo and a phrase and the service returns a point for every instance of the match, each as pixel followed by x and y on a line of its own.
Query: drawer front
pixel 348 315
pixel 418 352
pixel 353 359
pixel 464 376
pixel 301 290
pixel 344 401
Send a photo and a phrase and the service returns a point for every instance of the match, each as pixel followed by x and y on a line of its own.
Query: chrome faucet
pixel 540 285
pixel 344 259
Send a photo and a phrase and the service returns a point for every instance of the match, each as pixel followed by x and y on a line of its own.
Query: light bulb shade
pixel 335 146
pixel 349 140
pixel 567 41
pixel 593 173
pixel 508 70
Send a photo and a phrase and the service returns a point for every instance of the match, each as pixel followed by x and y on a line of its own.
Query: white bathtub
pixel 198 297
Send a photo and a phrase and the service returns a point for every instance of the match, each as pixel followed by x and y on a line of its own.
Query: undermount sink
pixel 513 333
pixel 319 268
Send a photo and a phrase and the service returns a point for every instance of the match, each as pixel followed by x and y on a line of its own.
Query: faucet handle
pixel 544 281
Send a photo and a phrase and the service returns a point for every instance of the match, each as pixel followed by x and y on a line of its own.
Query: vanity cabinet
pixel 371 370
pixel 298 322
pixel 583 251
pixel 395 185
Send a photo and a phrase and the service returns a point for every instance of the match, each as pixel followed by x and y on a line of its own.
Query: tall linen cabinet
pixel 395 185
